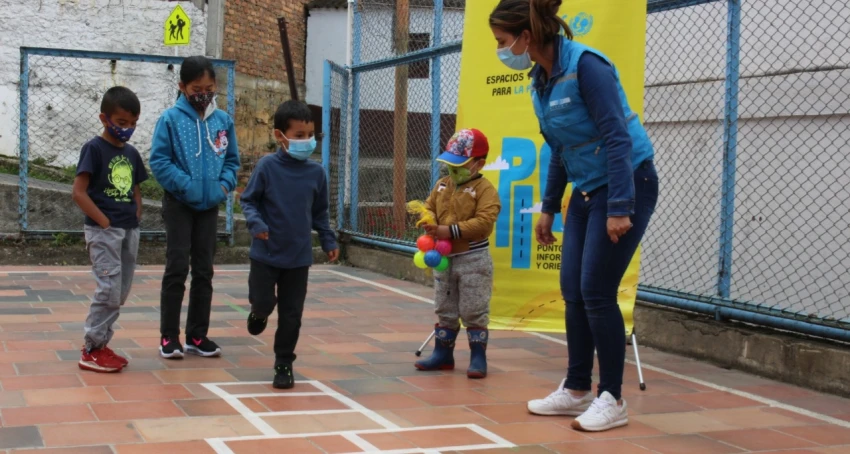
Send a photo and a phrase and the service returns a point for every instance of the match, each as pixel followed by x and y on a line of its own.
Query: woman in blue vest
pixel 600 146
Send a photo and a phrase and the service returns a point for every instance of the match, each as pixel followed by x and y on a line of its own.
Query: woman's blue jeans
pixel 591 270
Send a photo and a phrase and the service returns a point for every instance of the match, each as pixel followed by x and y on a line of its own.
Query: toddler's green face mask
pixel 460 175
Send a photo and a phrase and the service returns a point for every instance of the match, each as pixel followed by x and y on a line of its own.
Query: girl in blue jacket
pixel 195 158
pixel 600 146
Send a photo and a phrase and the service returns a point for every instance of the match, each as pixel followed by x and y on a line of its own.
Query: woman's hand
pixel 543 229
pixel 618 226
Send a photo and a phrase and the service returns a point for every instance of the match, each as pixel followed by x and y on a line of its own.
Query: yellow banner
pixel 497 100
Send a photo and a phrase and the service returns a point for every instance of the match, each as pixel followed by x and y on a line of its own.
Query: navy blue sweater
pixel 288 199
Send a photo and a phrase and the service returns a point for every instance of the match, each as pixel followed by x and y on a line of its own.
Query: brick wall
pixel 252 39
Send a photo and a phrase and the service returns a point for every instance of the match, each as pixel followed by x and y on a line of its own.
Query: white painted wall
pixel 327 39
pixel 65 93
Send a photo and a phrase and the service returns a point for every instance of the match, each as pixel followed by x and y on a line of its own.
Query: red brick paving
pixel 357 341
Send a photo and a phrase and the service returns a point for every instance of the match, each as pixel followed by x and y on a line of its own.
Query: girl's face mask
pixel 200 101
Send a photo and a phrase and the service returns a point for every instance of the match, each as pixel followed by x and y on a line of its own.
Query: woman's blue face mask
pixel 519 62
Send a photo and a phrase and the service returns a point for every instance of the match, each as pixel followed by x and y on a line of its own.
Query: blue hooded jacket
pixel 192 157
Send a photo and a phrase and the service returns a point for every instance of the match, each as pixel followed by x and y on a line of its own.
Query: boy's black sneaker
pixel 283 378
pixel 202 347
pixel 170 348
pixel 256 324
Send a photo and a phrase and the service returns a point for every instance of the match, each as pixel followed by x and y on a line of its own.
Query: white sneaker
pixel 560 403
pixel 603 414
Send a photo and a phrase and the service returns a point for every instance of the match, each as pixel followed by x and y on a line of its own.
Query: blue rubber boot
pixel 443 356
pixel 477 352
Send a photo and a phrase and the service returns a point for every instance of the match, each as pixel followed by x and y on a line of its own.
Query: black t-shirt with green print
pixel 114 171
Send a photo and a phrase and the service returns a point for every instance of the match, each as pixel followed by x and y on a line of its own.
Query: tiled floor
pixel 358 390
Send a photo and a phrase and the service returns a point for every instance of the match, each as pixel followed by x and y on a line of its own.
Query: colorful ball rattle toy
pixel 432 253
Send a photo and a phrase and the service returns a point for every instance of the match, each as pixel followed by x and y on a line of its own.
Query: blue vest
pixel 568 128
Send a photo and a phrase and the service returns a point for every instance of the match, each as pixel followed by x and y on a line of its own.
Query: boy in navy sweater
pixel 286 198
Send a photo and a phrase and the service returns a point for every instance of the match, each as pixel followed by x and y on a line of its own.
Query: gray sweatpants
pixel 463 291
pixel 113 254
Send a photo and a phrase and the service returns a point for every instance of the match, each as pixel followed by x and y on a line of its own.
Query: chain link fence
pixel 60 96
pixel 790 253
pixel 380 20
pixel 747 104
pixel 336 157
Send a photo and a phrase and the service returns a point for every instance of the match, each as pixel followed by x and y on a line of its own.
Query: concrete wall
pixel 65 93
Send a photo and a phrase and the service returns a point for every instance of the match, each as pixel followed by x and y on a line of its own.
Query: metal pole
pixel 231 109
pixel 326 118
pixel 730 142
pixel 23 166
pixel 354 194
pixel 402 36
pixel 436 100
pixel 287 58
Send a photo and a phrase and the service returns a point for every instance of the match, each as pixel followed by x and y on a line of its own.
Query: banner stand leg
pixel 425 344
pixel 637 361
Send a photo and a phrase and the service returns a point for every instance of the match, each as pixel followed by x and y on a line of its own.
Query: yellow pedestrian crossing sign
pixel 178 28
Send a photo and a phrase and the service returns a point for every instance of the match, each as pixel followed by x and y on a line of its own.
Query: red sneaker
pixel 117 357
pixel 98 360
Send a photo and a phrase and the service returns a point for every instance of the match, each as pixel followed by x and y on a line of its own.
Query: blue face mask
pixel 519 62
pixel 301 149
pixel 121 134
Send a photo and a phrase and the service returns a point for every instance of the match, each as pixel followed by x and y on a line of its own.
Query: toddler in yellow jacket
pixel 465 206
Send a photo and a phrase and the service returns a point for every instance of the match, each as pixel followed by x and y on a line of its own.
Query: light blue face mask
pixel 519 62
pixel 301 149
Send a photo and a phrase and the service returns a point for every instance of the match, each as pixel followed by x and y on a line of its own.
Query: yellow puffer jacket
pixel 470 210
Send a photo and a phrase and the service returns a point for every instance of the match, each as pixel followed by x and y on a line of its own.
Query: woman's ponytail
pixel 539 17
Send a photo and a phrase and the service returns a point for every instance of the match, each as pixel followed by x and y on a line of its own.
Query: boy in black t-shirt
pixel 107 190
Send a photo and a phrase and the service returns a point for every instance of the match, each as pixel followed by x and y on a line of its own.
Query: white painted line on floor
pixel 490 436
pixel 246 412
pixel 746 395
pixel 360 432
pixel 438 450
pixel 306 412
pixel 361 443
pixel 219 446
pixel 253 395
pixel 382 286
pixel 345 400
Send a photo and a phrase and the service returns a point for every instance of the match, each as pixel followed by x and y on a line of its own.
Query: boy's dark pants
pixel 190 240
pixel 291 292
